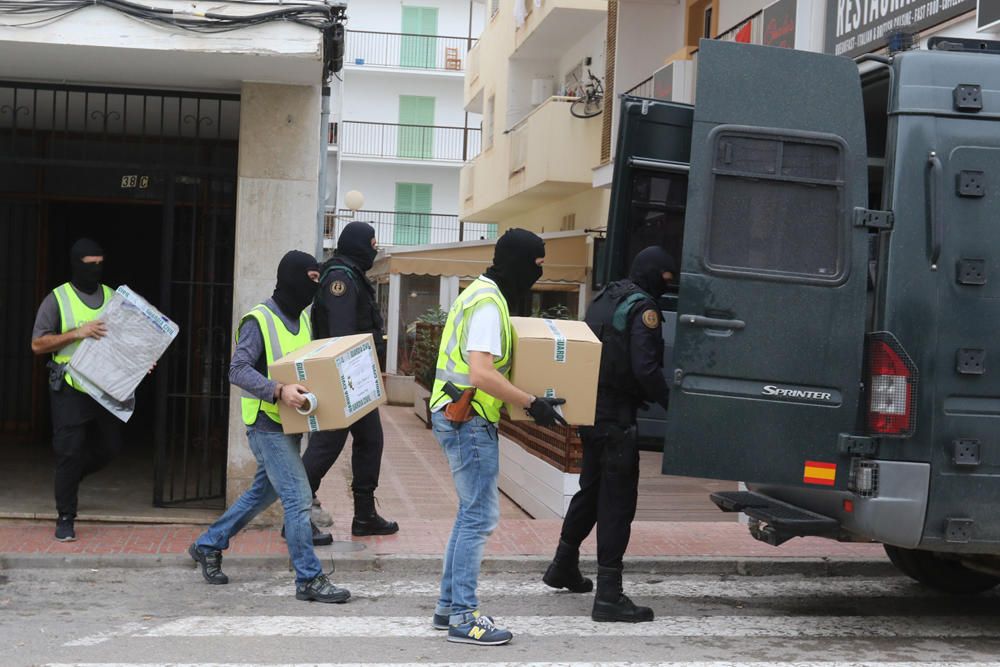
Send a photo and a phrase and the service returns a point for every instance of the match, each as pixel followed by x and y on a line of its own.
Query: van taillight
pixel 892 387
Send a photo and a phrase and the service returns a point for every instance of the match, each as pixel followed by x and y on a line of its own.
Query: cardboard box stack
pixel 342 375
pixel 556 358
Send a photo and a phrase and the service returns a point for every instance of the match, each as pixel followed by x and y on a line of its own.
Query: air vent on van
pixel 892 387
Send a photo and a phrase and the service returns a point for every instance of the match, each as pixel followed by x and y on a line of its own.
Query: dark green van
pixel 837 224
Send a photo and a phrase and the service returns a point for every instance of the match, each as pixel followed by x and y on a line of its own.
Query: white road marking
pixel 101 637
pixel 536 664
pixel 743 588
pixel 387 627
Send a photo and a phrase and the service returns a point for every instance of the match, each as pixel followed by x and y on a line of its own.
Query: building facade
pixel 401 133
pixel 193 157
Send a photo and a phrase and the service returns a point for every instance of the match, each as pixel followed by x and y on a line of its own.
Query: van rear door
pixel 771 315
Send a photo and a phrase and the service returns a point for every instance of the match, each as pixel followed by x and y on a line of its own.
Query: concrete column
pixel 392 354
pixel 276 200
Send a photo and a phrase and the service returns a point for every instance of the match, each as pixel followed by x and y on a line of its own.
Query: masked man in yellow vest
pixel 269 331
pixel 70 313
pixel 476 352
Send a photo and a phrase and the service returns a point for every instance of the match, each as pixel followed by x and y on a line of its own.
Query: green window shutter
pixel 416 142
pixel 417 51
pixel 413 208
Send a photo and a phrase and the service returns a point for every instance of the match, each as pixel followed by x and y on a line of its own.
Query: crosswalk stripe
pixel 538 664
pixel 674 587
pixel 388 627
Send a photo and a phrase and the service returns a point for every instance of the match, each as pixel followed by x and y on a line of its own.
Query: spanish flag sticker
pixel 817 472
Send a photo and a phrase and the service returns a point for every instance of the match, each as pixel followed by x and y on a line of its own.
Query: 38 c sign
pixel 134 182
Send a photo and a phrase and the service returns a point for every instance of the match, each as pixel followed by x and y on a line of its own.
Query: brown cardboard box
pixel 343 374
pixel 556 358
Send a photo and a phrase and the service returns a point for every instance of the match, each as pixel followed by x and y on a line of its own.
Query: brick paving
pixel 416 489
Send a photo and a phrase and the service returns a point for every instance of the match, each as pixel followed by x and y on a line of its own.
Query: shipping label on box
pixel 556 358
pixel 343 378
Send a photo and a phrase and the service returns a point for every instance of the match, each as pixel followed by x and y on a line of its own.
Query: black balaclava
pixel 514 269
pixel 295 289
pixel 85 277
pixel 648 268
pixel 355 243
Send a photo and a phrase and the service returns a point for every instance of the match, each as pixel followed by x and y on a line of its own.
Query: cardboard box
pixel 343 375
pixel 556 358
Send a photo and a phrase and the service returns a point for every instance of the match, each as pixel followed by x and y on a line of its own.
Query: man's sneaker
pixel 321 590
pixel 320 539
pixel 320 516
pixel 480 630
pixel 64 529
pixel 442 621
pixel 211 564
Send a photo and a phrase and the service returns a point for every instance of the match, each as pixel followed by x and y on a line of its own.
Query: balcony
pixel 394 228
pixel 473 93
pixel 392 142
pixel 382 50
pixel 547 156
pixel 557 24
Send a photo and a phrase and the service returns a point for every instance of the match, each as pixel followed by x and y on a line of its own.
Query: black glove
pixel 543 411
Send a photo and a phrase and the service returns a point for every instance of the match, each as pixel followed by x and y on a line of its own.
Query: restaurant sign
pixel 854 27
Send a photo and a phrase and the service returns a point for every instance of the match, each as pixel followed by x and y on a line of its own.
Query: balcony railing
pixel 409 142
pixel 406 50
pixel 395 228
pixel 748 31
pixel 644 88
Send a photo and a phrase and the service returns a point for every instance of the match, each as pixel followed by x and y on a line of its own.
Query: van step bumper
pixel 774 521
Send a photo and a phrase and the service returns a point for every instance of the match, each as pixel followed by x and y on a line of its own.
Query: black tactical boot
pixel 564 570
pixel 320 539
pixel 367 521
pixel 321 590
pixel 610 604
pixel 211 564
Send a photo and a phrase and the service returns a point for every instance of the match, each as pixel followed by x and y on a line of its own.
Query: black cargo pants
pixel 609 489
pixel 366 453
pixel 74 414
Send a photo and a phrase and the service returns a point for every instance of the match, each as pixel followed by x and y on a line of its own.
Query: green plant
pixel 427 340
pixel 556 312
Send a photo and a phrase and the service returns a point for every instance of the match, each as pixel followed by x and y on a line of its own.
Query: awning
pixel 567 258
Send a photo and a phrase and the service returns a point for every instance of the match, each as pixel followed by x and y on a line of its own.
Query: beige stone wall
pixel 589 210
pixel 275 212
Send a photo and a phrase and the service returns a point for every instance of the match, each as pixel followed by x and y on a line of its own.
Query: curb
pixel 431 565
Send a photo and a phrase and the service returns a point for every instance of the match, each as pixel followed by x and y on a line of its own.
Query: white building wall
pixel 374 96
pixel 378 183
pixel 657 28
pixel 734 12
pixel 387 16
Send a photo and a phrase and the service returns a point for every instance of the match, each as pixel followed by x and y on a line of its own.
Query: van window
pixel 656 213
pixel 776 207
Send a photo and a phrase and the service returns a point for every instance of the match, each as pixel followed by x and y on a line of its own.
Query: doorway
pixel 151 176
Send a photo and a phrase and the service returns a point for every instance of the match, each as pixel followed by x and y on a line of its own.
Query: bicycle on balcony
pixel 590 103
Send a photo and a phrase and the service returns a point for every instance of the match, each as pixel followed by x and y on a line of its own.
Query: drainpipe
pixel 324 125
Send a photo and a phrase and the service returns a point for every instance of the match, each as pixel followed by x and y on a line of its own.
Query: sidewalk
pixel 417 491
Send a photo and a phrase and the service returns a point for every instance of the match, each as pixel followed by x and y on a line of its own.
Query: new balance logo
pixel 477 632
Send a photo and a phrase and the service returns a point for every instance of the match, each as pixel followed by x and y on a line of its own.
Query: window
pixel 707 26
pixel 488 115
pixel 413 219
pixel 776 207
pixel 656 213
pixel 415 50
pixel 416 138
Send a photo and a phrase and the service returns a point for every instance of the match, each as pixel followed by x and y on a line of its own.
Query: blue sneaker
pixel 443 621
pixel 479 630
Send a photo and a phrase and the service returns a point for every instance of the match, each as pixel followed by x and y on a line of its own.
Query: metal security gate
pixel 73 145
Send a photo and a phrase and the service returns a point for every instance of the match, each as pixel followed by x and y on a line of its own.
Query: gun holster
pixel 57 375
pixel 459 410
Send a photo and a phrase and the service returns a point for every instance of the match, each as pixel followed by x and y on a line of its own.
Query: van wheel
pixel 942 574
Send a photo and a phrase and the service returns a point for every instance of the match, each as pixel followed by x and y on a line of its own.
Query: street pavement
pixel 168 616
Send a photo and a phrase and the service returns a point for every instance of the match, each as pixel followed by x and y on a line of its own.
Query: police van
pixel 837 224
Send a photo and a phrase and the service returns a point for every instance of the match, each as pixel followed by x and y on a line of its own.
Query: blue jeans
pixel 474 458
pixel 280 474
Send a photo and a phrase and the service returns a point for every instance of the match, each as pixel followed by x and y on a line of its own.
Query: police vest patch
pixel 337 288
pixel 651 318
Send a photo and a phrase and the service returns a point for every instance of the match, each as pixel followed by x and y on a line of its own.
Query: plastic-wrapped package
pixel 110 368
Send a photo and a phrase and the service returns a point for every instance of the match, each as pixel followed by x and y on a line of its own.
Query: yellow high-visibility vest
pixel 452 365
pixel 278 341
pixel 73 313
